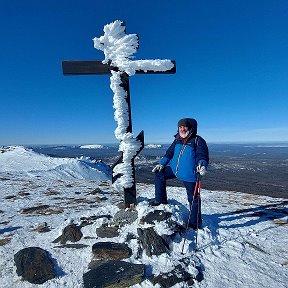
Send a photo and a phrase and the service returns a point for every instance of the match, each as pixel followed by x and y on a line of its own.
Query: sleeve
pixel 202 152
pixel 168 155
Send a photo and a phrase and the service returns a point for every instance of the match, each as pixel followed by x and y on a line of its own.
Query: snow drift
pixel 23 160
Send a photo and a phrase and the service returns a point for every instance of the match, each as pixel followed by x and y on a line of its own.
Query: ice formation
pixel 118 48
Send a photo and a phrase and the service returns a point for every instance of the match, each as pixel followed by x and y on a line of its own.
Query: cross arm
pixel 90 67
pixel 86 67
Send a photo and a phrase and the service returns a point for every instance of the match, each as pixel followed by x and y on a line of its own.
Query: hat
pixel 184 122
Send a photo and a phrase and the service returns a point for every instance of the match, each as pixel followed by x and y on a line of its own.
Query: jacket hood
pixel 193 124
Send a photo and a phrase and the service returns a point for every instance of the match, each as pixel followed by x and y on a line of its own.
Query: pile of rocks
pixel 108 267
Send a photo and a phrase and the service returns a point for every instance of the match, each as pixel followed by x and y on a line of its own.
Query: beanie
pixel 184 122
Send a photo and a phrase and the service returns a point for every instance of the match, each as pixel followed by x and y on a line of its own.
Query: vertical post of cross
pixel 129 193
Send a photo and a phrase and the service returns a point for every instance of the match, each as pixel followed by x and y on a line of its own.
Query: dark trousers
pixel 161 194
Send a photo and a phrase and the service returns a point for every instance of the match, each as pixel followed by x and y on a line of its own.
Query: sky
pixel 231 59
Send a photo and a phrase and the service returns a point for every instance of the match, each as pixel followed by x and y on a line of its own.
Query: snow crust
pixel 118 48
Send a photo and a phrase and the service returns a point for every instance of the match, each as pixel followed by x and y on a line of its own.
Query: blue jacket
pixel 184 157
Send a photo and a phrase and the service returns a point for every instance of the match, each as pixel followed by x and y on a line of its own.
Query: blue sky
pixel 232 70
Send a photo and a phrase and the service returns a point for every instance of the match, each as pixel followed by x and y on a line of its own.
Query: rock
pixel 23 193
pixel 200 275
pixel 34 265
pixel 114 274
pixel 152 242
pixel 70 233
pixel 95 191
pixel 130 236
pixel 85 221
pixel 4 222
pixel 5 241
pixel 42 228
pixel 156 215
pixel 34 209
pixel 121 205
pixel 96 263
pixel 107 232
pixel 125 216
pixel 111 251
pixel 10 197
pixel 177 275
pixel 75 246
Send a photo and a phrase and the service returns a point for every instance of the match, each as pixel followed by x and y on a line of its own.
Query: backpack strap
pixel 196 142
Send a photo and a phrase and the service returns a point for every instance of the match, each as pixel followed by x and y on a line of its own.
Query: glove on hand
pixel 158 168
pixel 201 170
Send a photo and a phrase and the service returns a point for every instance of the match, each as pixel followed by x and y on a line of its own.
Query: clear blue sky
pixel 232 70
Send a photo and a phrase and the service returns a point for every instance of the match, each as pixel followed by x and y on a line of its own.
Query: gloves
pixel 158 168
pixel 201 170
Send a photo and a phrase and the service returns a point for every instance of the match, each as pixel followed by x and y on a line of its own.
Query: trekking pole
pixel 190 211
pixel 198 210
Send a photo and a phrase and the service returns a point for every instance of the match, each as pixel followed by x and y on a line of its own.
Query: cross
pixel 118 48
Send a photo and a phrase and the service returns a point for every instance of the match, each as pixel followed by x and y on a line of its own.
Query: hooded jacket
pixel 184 155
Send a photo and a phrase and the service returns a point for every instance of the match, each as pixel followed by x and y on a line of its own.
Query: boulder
pixel 156 215
pixel 107 232
pixel 152 242
pixel 111 251
pixel 177 275
pixel 70 233
pixel 34 265
pixel 114 274
pixel 125 216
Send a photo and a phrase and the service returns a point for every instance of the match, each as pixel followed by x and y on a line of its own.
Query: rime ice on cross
pixel 118 48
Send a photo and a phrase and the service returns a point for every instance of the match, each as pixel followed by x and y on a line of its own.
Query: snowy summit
pixel 243 242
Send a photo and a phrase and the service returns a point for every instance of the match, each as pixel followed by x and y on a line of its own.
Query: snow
pixel 243 243
pixel 153 146
pixel 128 145
pixel 92 146
pixel 118 48
pixel 25 162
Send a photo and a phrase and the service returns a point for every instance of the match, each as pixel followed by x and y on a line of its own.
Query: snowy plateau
pixel 243 242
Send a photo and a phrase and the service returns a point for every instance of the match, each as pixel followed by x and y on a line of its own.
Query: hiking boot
pixel 155 203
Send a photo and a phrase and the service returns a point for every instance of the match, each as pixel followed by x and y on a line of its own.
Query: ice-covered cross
pixel 118 48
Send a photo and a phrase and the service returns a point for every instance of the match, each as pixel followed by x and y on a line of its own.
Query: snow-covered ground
pixel 243 243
